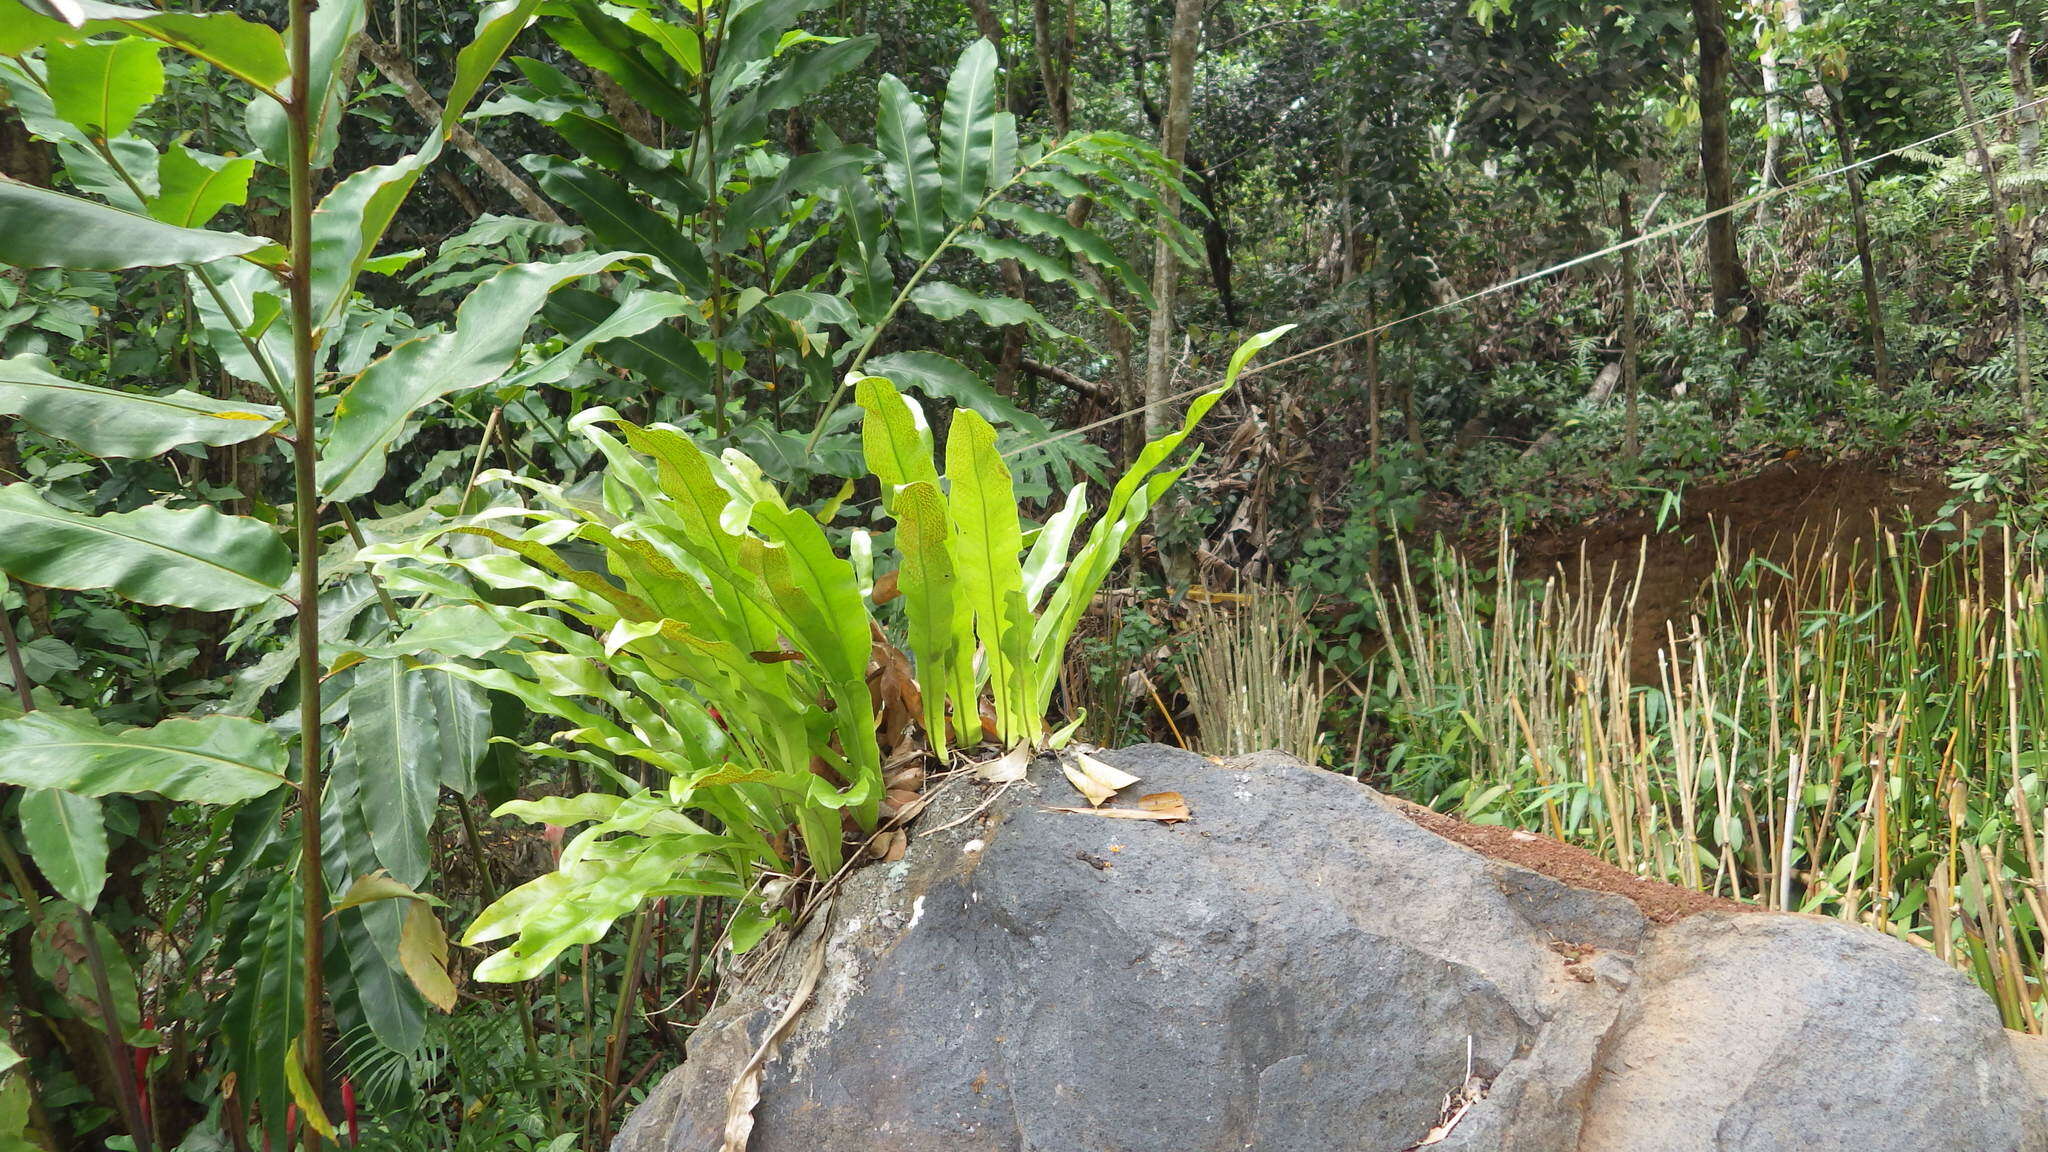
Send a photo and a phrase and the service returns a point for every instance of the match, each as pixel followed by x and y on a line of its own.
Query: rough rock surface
pixel 1301 968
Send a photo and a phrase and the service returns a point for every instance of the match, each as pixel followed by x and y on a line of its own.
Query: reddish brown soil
pixel 1783 512
pixel 1662 903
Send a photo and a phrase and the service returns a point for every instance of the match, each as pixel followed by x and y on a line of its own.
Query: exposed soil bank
pixel 1785 513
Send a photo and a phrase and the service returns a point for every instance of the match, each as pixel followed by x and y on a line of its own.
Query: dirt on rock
pixel 1661 903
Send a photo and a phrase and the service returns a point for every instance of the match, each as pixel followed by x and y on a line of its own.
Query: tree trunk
pixel 2019 63
pixel 22 156
pixel 1372 387
pixel 1776 122
pixel 1215 239
pixel 1734 300
pixel 1055 52
pixel 1632 429
pixel 1173 141
pixel 2008 248
pixel 1859 221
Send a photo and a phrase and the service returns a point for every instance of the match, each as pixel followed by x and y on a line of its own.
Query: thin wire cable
pixel 1492 289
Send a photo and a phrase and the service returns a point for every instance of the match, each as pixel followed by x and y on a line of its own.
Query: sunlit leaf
pixel 200 759
pixel 104 422
pixel 186 557
pixel 101 85
pixel 68 841
pixel 44 229
pixel 193 187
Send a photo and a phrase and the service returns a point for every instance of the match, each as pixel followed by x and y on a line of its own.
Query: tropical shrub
pixel 695 623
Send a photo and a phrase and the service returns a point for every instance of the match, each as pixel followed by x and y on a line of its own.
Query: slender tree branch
pixel 392 63
pixel 1061 376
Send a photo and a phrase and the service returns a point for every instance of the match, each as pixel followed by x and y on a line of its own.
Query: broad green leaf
pixel 643 69
pixel 265 1008
pixel 679 40
pixel 1048 268
pixel 490 329
pixel 821 597
pixel 496 27
pixel 601 141
pixel 1048 555
pixel 661 357
pixel 967 129
pixel 641 311
pixel 813 310
pixel 1121 517
pixel 101 85
pixel 944 378
pixel 618 219
pixel 765 206
pixel 797 82
pixel 367 934
pixel 453 630
pixel 563 909
pixel 894 434
pixel 1002 151
pixel 43 229
pixel 239 306
pixel 928 582
pixel 1079 241
pixel 335 24
pixel 563 811
pixel 245 48
pixel 987 539
pixel 184 557
pixel 389 755
pixel 59 957
pixel 199 759
pixel 946 301
pixel 754 32
pixel 911 167
pixel 68 841
pixel 104 422
pixel 462 728
pixel 194 186
pixel 350 222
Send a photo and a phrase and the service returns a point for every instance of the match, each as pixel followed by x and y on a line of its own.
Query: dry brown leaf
pixel 906 774
pixel 1165 807
pixel 1094 779
pixel 745 1091
pixel 1005 768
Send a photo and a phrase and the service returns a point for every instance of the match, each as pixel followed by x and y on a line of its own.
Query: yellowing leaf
pixel 375 886
pixel 423 953
pixel 303 1094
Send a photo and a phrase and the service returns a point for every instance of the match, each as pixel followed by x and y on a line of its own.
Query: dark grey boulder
pixel 1301 968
